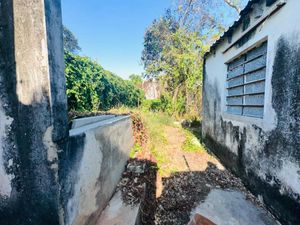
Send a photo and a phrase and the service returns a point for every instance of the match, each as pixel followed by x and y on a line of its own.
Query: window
pixel 246 83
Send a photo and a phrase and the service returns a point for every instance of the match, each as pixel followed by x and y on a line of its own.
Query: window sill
pixel 244 119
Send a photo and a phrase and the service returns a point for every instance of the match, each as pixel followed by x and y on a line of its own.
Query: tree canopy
pixel 175 43
pixel 70 41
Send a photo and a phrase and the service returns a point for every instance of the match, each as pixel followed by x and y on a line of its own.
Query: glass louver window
pixel 246 83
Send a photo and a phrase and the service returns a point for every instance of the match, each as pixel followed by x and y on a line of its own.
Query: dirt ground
pixel 182 160
pixel 169 199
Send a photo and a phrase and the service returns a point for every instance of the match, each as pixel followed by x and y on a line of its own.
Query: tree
pixel 208 16
pixel 70 41
pixel 174 46
pixel 181 65
pixel 136 80
pixel 155 38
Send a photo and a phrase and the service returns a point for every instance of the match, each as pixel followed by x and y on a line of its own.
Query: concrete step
pixel 224 207
pixel 118 213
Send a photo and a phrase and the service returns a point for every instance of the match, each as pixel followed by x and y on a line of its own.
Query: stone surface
pixel 152 89
pixel 230 208
pixel 117 213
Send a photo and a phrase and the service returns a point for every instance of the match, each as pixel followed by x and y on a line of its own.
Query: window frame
pixel 246 82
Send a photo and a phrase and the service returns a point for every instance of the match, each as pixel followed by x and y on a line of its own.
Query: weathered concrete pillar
pixel 33 111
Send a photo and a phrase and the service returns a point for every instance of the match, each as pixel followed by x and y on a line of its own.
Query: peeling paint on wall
pixel 5 178
pixel 84 202
pixel 290 177
pixel 51 147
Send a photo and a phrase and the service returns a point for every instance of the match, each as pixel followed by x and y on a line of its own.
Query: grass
pixel 192 143
pixel 155 124
pixel 136 148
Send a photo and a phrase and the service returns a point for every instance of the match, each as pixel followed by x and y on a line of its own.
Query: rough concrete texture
pixel 93 166
pixel 231 208
pixel 33 111
pixel 117 213
pixel 264 152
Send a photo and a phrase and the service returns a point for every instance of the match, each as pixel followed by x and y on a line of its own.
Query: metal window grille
pixel 246 83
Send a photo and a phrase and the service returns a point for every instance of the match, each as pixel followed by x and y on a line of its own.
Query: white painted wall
pixel 216 68
pixel 284 168
pixel 95 173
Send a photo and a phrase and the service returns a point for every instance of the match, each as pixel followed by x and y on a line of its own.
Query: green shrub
pixel 164 104
pixel 153 105
pixel 91 88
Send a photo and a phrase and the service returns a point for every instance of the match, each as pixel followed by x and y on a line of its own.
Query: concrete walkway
pixel 117 213
pixel 223 207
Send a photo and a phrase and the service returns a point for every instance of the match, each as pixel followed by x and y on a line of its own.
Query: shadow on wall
pixel 31 139
pixel 92 166
pixel 29 147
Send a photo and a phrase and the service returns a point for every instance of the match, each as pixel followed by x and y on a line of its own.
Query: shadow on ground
pixel 138 185
pixel 183 191
pixel 195 127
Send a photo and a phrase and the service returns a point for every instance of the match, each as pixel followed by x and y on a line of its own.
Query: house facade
pixel 251 103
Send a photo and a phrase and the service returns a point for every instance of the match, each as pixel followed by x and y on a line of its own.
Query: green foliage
pixel 153 105
pixel 155 38
pixel 136 80
pixel 91 88
pixel 177 63
pixel 135 149
pixel 191 143
pixel 174 46
pixel 166 105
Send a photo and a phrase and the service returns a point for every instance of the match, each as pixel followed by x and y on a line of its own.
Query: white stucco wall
pixel 281 23
pixel 249 139
pixel 98 152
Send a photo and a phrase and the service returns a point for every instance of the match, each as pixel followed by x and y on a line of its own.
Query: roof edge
pixel 237 23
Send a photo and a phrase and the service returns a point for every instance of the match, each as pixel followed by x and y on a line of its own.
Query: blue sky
pixel 111 31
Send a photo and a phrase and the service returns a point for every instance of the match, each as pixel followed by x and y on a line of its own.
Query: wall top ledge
pixel 90 123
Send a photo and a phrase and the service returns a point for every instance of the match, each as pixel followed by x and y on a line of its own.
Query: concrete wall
pixel 48 176
pixel 33 115
pixel 93 165
pixel 265 152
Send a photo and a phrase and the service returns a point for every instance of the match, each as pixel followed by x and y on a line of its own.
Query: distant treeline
pixel 92 88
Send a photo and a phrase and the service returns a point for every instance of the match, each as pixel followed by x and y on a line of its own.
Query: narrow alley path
pixel 185 160
pixel 184 184
pixel 192 177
